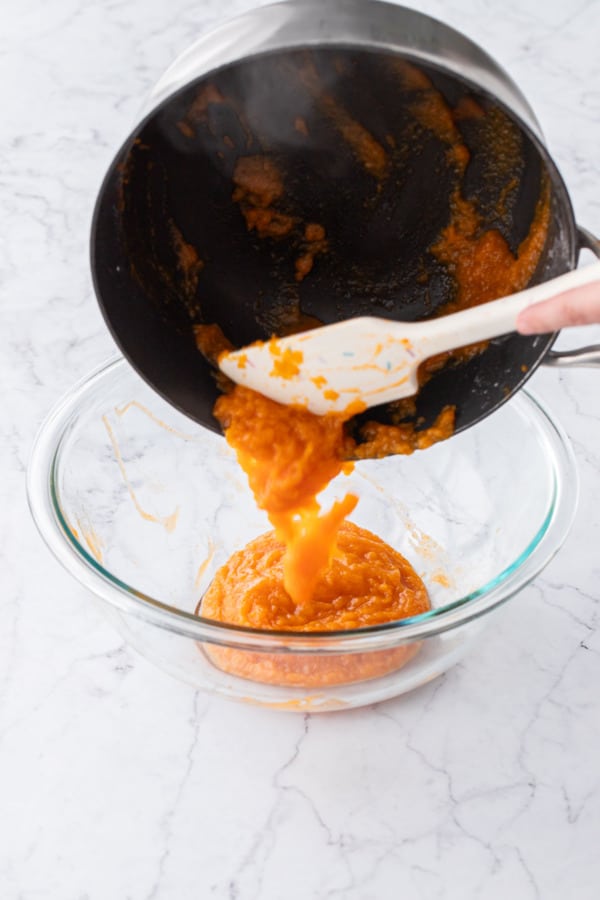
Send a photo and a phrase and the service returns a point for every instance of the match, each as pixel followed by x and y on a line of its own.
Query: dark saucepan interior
pixel 180 237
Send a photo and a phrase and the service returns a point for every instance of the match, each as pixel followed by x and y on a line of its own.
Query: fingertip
pixel 524 325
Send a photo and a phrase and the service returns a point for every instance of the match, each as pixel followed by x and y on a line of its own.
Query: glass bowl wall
pixel 142 506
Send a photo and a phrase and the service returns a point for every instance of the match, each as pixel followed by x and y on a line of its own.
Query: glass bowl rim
pixel 47 514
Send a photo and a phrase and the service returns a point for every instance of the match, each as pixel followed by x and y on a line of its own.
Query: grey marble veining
pixel 117 781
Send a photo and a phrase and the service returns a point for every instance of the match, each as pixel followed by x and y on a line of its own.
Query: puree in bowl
pixel 315 571
pixel 366 583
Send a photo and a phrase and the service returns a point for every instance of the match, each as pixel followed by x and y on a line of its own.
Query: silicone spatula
pixel 373 360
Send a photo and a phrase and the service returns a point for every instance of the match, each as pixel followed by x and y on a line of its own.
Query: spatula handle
pixel 499 316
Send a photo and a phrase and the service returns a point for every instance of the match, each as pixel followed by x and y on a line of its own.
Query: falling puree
pixel 314 571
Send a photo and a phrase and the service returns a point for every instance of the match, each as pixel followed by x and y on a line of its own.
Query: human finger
pixel 580 306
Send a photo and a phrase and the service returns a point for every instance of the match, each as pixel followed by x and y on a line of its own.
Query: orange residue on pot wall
pixel 482 263
pixel 258 186
pixel 479 259
pixel 314 243
pixel 366 148
pixel 188 262
pixel 483 266
pixel 258 189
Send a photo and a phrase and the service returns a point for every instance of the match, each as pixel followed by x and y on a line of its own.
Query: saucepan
pixel 313 161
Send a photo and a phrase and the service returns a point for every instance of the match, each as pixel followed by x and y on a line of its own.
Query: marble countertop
pixel 119 783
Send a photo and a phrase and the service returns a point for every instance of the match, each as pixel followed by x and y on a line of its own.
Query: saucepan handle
pixel 584 356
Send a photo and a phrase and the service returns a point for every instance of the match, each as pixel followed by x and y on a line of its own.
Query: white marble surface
pixel 119 783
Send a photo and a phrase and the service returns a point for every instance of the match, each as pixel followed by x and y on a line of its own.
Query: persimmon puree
pixel 289 456
pixel 315 571
pixel 258 188
pixel 483 266
pixel 482 263
pixel 375 439
pixel 366 583
pixel 479 259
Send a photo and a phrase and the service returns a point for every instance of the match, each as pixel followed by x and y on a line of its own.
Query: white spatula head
pixel 351 364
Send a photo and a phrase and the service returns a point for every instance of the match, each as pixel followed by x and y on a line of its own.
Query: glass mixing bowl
pixel 142 506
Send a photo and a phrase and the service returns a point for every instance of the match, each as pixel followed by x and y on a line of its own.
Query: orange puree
pixel 315 572
pixel 367 582
pixel 289 456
